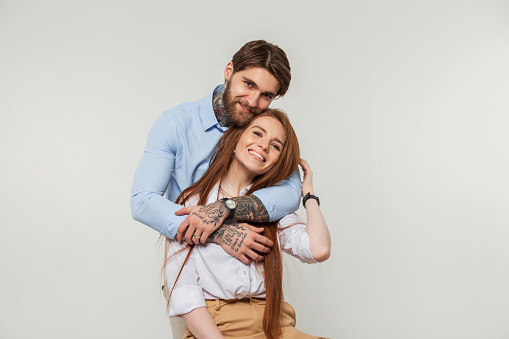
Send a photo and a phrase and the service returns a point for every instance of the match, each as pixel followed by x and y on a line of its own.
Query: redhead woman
pixel 217 295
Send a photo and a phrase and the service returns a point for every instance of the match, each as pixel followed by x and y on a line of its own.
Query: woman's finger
pixel 304 164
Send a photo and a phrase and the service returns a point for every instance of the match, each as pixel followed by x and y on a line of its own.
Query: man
pixel 179 148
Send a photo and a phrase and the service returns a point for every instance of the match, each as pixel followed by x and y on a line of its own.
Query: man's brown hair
pixel 260 53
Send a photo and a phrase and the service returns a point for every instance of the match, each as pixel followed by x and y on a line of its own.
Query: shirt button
pixel 245 272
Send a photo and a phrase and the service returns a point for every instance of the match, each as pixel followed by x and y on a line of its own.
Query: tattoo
pixel 250 208
pixel 219 109
pixel 232 235
pixel 217 235
pixel 211 214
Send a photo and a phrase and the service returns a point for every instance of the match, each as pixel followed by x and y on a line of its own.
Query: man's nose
pixel 253 98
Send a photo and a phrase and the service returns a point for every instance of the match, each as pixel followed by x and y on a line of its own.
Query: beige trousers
pixel 244 319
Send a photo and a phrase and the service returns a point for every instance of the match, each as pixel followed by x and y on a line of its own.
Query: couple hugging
pixel 219 179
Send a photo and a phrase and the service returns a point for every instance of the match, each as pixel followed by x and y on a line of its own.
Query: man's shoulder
pixel 188 112
pixel 184 112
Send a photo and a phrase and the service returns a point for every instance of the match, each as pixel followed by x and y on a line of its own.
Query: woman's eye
pixel 257 134
pixel 276 147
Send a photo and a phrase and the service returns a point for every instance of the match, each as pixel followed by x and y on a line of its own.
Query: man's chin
pixel 242 118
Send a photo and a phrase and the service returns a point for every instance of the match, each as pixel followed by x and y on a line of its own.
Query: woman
pixel 217 295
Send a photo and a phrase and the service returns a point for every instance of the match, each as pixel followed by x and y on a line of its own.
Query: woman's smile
pixel 256 155
pixel 259 147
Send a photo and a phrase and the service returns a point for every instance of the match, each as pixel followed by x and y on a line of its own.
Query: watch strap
pixel 309 196
pixel 232 210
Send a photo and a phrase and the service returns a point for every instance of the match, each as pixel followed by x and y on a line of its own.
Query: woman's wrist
pixel 308 197
pixel 305 191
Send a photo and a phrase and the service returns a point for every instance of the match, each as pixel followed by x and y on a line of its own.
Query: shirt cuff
pixel 304 252
pixel 268 203
pixel 170 229
pixel 185 299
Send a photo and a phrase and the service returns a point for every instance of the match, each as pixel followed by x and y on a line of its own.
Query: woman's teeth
pixel 256 155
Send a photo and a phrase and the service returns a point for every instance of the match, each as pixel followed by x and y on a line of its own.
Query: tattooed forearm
pixel 232 235
pixel 250 208
pixel 217 235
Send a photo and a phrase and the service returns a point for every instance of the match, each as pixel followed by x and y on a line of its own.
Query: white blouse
pixel 211 273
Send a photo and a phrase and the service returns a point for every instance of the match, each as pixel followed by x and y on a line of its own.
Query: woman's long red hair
pixel 285 166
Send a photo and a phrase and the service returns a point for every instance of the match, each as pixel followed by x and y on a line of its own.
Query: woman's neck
pixel 236 179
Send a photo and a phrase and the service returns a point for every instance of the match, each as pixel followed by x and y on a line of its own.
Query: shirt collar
pixel 206 111
pixel 244 191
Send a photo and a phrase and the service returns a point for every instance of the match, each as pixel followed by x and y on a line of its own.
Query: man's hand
pixel 201 222
pixel 242 241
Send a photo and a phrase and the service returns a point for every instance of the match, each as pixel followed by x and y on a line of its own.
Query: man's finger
pixel 206 232
pixel 253 255
pixel 196 238
pixel 263 240
pixel 260 248
pixel 244 259
pixel 182 230
pixel 189 234
pixel 253 228
pixel 183 211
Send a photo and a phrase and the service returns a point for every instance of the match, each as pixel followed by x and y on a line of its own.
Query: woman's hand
pixel 307 182
pixel 316 227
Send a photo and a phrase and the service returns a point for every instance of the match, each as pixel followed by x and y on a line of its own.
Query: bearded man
pixel 179 148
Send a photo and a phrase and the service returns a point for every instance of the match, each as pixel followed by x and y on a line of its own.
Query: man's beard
pixel 233 115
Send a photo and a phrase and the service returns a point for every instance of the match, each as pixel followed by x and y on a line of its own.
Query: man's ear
pixel 228 71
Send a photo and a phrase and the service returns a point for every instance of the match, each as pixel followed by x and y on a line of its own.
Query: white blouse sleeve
pixel 293 238
pixel 187 293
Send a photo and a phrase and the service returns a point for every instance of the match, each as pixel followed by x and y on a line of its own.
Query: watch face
pixel 230 204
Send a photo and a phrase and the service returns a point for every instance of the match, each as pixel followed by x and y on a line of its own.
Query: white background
pixel 402 109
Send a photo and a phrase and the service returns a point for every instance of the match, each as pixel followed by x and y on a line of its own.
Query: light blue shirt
pixel 177 154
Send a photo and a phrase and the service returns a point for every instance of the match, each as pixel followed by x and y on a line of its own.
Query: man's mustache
pixel 246 106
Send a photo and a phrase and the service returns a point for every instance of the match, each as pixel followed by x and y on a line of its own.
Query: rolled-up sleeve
pixel 294 239
pixel 187 294
pixel 186 299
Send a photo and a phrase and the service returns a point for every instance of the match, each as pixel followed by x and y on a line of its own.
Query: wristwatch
pixel 231 205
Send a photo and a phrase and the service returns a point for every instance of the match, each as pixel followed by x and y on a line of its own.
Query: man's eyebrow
pixel 265 131
pixel 245 78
